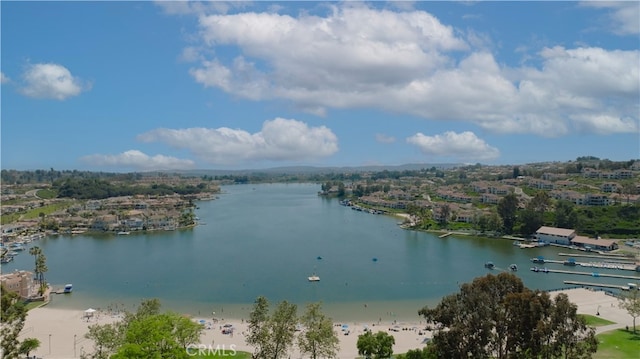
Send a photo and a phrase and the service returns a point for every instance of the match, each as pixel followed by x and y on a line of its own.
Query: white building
pixel 555 235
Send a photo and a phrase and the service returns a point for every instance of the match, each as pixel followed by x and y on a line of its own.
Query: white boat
pixel 314 278
pixel 68 288
pixel 124 233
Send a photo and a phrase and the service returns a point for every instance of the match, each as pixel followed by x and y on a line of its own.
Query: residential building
pixel 20 282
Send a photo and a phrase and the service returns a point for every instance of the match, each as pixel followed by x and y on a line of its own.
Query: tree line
pixel 95 188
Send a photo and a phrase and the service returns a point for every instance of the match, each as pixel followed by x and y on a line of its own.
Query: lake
pixel 266 240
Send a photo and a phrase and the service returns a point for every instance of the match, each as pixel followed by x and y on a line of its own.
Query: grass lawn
pixel 32 305
pixel 224 354
pixel 618 344
pixel 593 321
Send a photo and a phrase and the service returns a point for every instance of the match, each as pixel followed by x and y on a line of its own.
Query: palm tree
pixel 35 251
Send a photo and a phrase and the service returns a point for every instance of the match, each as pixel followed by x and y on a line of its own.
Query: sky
pixel 143 86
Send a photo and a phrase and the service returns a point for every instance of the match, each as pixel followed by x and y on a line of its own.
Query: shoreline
pixel 61 331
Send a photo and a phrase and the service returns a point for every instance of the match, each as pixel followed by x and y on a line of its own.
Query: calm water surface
pixel 266 240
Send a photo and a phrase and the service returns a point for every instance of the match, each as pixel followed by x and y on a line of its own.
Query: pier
pixel 596 284
pixel 445 235
pixel 591 274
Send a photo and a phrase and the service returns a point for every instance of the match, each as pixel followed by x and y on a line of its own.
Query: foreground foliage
pixel 630 301
pixel 147 333
pixel 13 313
pixel 497 317
pixel 271 334
pixel 379 345
pixel 318 339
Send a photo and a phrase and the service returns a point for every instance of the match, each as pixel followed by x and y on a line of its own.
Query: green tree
pixel 283 327
pixel 497 317
pixel 445 213
pixel 147 333
pixel 507 210
pixel 28 345
pixel 259 335
pixel 379 345
pixel 630 301
pixel 271 335
pixel 318 338
pixel 107 339
pixel 12 317
pixel 41 269
pixel 571 338
pixel 532 216
pixel 35 251
pixel 566 216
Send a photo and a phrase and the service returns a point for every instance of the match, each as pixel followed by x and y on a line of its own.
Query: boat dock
pixel 591 274
pixel 596 284
pixel 445 235
pixel 600 265
pixel 611 258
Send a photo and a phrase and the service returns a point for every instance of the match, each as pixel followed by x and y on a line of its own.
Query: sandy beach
pixel 61 331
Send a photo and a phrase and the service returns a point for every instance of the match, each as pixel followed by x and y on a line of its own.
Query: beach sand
pixel 61 331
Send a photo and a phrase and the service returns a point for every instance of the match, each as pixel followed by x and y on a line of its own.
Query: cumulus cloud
pixel 409 62
pixel 279 140
pixel 3 78
pixel 462 146
pixel 139 161
pixel 624 16
pixel 51 81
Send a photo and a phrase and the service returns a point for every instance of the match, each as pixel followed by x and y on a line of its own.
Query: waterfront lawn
pixel 618 344
pixel 593 321
pixel 225 354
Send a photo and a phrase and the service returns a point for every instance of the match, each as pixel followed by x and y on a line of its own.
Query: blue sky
pixel 137 86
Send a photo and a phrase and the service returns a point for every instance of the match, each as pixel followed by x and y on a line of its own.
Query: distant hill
pixel 318 170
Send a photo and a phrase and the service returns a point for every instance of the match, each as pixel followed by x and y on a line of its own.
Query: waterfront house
pixel 555 235
pixel 107 222
pixel 20 282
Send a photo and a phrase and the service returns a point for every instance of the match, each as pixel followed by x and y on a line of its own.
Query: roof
pixel 593 242
pixel 555 231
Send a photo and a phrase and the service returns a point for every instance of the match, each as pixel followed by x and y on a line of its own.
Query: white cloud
pixel 279 140
pixel 139 161
pixel 382 138
pixel 51 81
pixel 461 146
pixel 408 62
pixel 3 78
pixel 624 18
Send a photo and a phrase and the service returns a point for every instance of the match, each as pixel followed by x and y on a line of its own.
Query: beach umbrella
pixel 89 312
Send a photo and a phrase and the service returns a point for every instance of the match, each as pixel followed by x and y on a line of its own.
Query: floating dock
pixel 445 235
pixel 598 265
pixel 591 274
